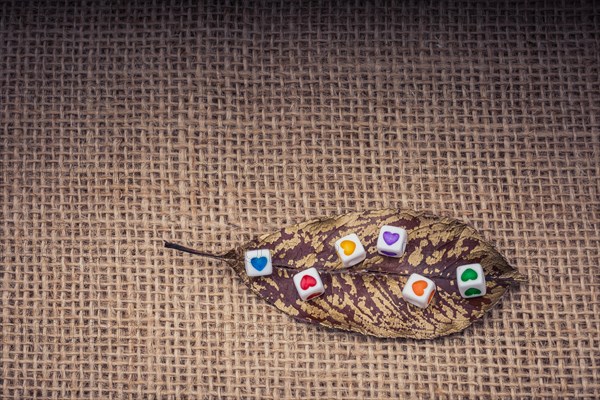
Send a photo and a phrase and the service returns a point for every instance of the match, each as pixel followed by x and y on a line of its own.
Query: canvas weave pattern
pixel 125 124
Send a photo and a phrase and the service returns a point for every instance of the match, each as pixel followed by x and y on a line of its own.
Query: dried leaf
pixel 367 298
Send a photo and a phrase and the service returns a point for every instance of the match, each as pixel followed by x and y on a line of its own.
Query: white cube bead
pixel 258 262
pixel 419 290
pixel 392 241
pixel 470 280
pixel 350 250
pixel 308 284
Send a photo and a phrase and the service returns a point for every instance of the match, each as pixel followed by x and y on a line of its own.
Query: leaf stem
pixel 179 247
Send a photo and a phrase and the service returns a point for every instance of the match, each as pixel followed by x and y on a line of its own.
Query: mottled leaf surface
pixel 367 298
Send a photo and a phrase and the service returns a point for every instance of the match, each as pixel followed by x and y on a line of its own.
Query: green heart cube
pixel 470 280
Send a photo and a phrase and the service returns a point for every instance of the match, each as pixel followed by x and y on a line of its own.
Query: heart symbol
pixel 390 238
pixel 419 287
pixel 259 263
pixel 472 292
pixel 468 275
pixel 430 297
pixel 388 253
pixel 348 247
pixel 307 281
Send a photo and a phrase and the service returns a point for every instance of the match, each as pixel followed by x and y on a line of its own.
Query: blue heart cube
pixel 258 262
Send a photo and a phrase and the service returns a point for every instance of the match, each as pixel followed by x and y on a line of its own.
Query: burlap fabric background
pixel 128 124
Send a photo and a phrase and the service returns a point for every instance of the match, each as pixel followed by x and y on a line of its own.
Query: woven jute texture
pixel 126 124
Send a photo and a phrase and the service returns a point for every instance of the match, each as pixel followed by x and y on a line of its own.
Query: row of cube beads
pixel 419 290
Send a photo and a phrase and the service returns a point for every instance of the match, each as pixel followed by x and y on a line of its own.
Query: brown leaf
pixel 367 298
